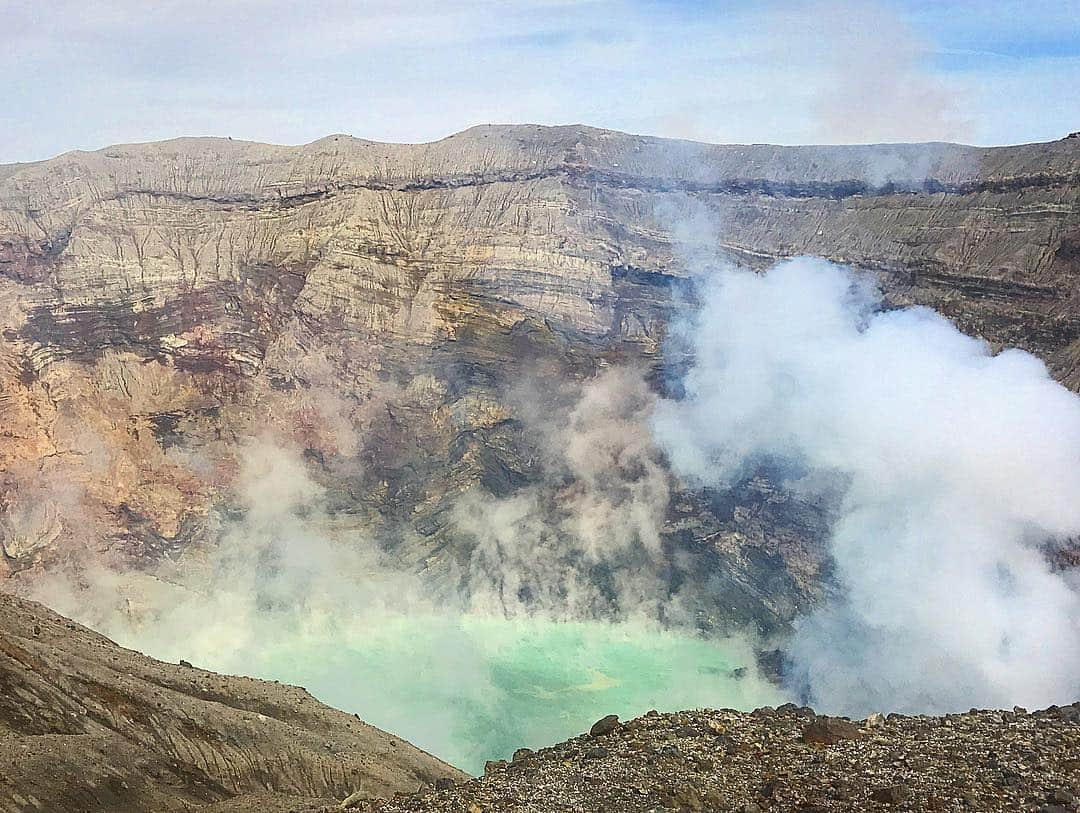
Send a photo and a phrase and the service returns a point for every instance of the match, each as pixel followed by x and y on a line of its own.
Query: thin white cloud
pixel 81 75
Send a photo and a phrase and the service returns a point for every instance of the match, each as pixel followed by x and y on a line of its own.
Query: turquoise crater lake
pixel 473 688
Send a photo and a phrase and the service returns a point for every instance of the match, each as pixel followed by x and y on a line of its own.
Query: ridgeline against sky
pixel 88 75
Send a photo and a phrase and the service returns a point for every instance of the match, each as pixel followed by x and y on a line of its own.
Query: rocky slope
pixel 88 726
pixel 383 308
pixel 786 759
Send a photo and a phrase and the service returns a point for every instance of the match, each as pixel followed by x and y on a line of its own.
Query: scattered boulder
pixel 685 798
pixel 1060 796
pixel 891 795
pixel 354 800
pixel 770 788
pixel 830 731
pixel 605 726
pixel 875 720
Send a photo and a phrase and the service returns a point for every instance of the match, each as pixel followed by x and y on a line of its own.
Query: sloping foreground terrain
pixel 88 726
pixel 786 759
pixel 382 308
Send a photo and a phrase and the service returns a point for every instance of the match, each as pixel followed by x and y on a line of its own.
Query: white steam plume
pixel 875 77
pixel 528 650
pixel 601 503
pixel 953 465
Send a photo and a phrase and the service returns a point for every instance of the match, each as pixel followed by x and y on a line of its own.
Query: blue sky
pixel 84 74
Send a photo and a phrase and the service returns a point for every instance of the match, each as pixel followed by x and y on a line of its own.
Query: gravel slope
pixel 788 759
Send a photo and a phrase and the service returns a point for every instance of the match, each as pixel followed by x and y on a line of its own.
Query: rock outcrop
pixel 86 725
pixel 381 307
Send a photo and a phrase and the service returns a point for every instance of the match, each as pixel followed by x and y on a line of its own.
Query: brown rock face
pixel 86 725
pixel 382 308
pixel 830 731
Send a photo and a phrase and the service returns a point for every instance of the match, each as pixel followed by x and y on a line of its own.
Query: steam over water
pixel 948 470
pixel 286 596
pixel 472 688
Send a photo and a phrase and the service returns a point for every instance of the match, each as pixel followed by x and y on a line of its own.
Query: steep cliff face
pixel 383 307
pixel 86 725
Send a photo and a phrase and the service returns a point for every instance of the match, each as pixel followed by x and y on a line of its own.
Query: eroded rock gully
pixel 86 725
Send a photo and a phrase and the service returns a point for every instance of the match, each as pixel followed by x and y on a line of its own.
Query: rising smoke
pixel 947 468
pixel 556 617
pixel 584 541
pixel 877 80
pixel 953 466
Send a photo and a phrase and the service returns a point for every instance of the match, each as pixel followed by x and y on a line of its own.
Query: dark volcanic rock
pixel 605 725
pixel 891 794
pixel 914 764
pixel 830 731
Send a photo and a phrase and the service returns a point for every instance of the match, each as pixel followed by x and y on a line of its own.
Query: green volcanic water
pixel 470 689
pixel 287 594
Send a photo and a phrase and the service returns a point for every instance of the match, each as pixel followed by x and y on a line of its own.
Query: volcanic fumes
pixel 949 471
pixel 286 592
pixel 945 471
